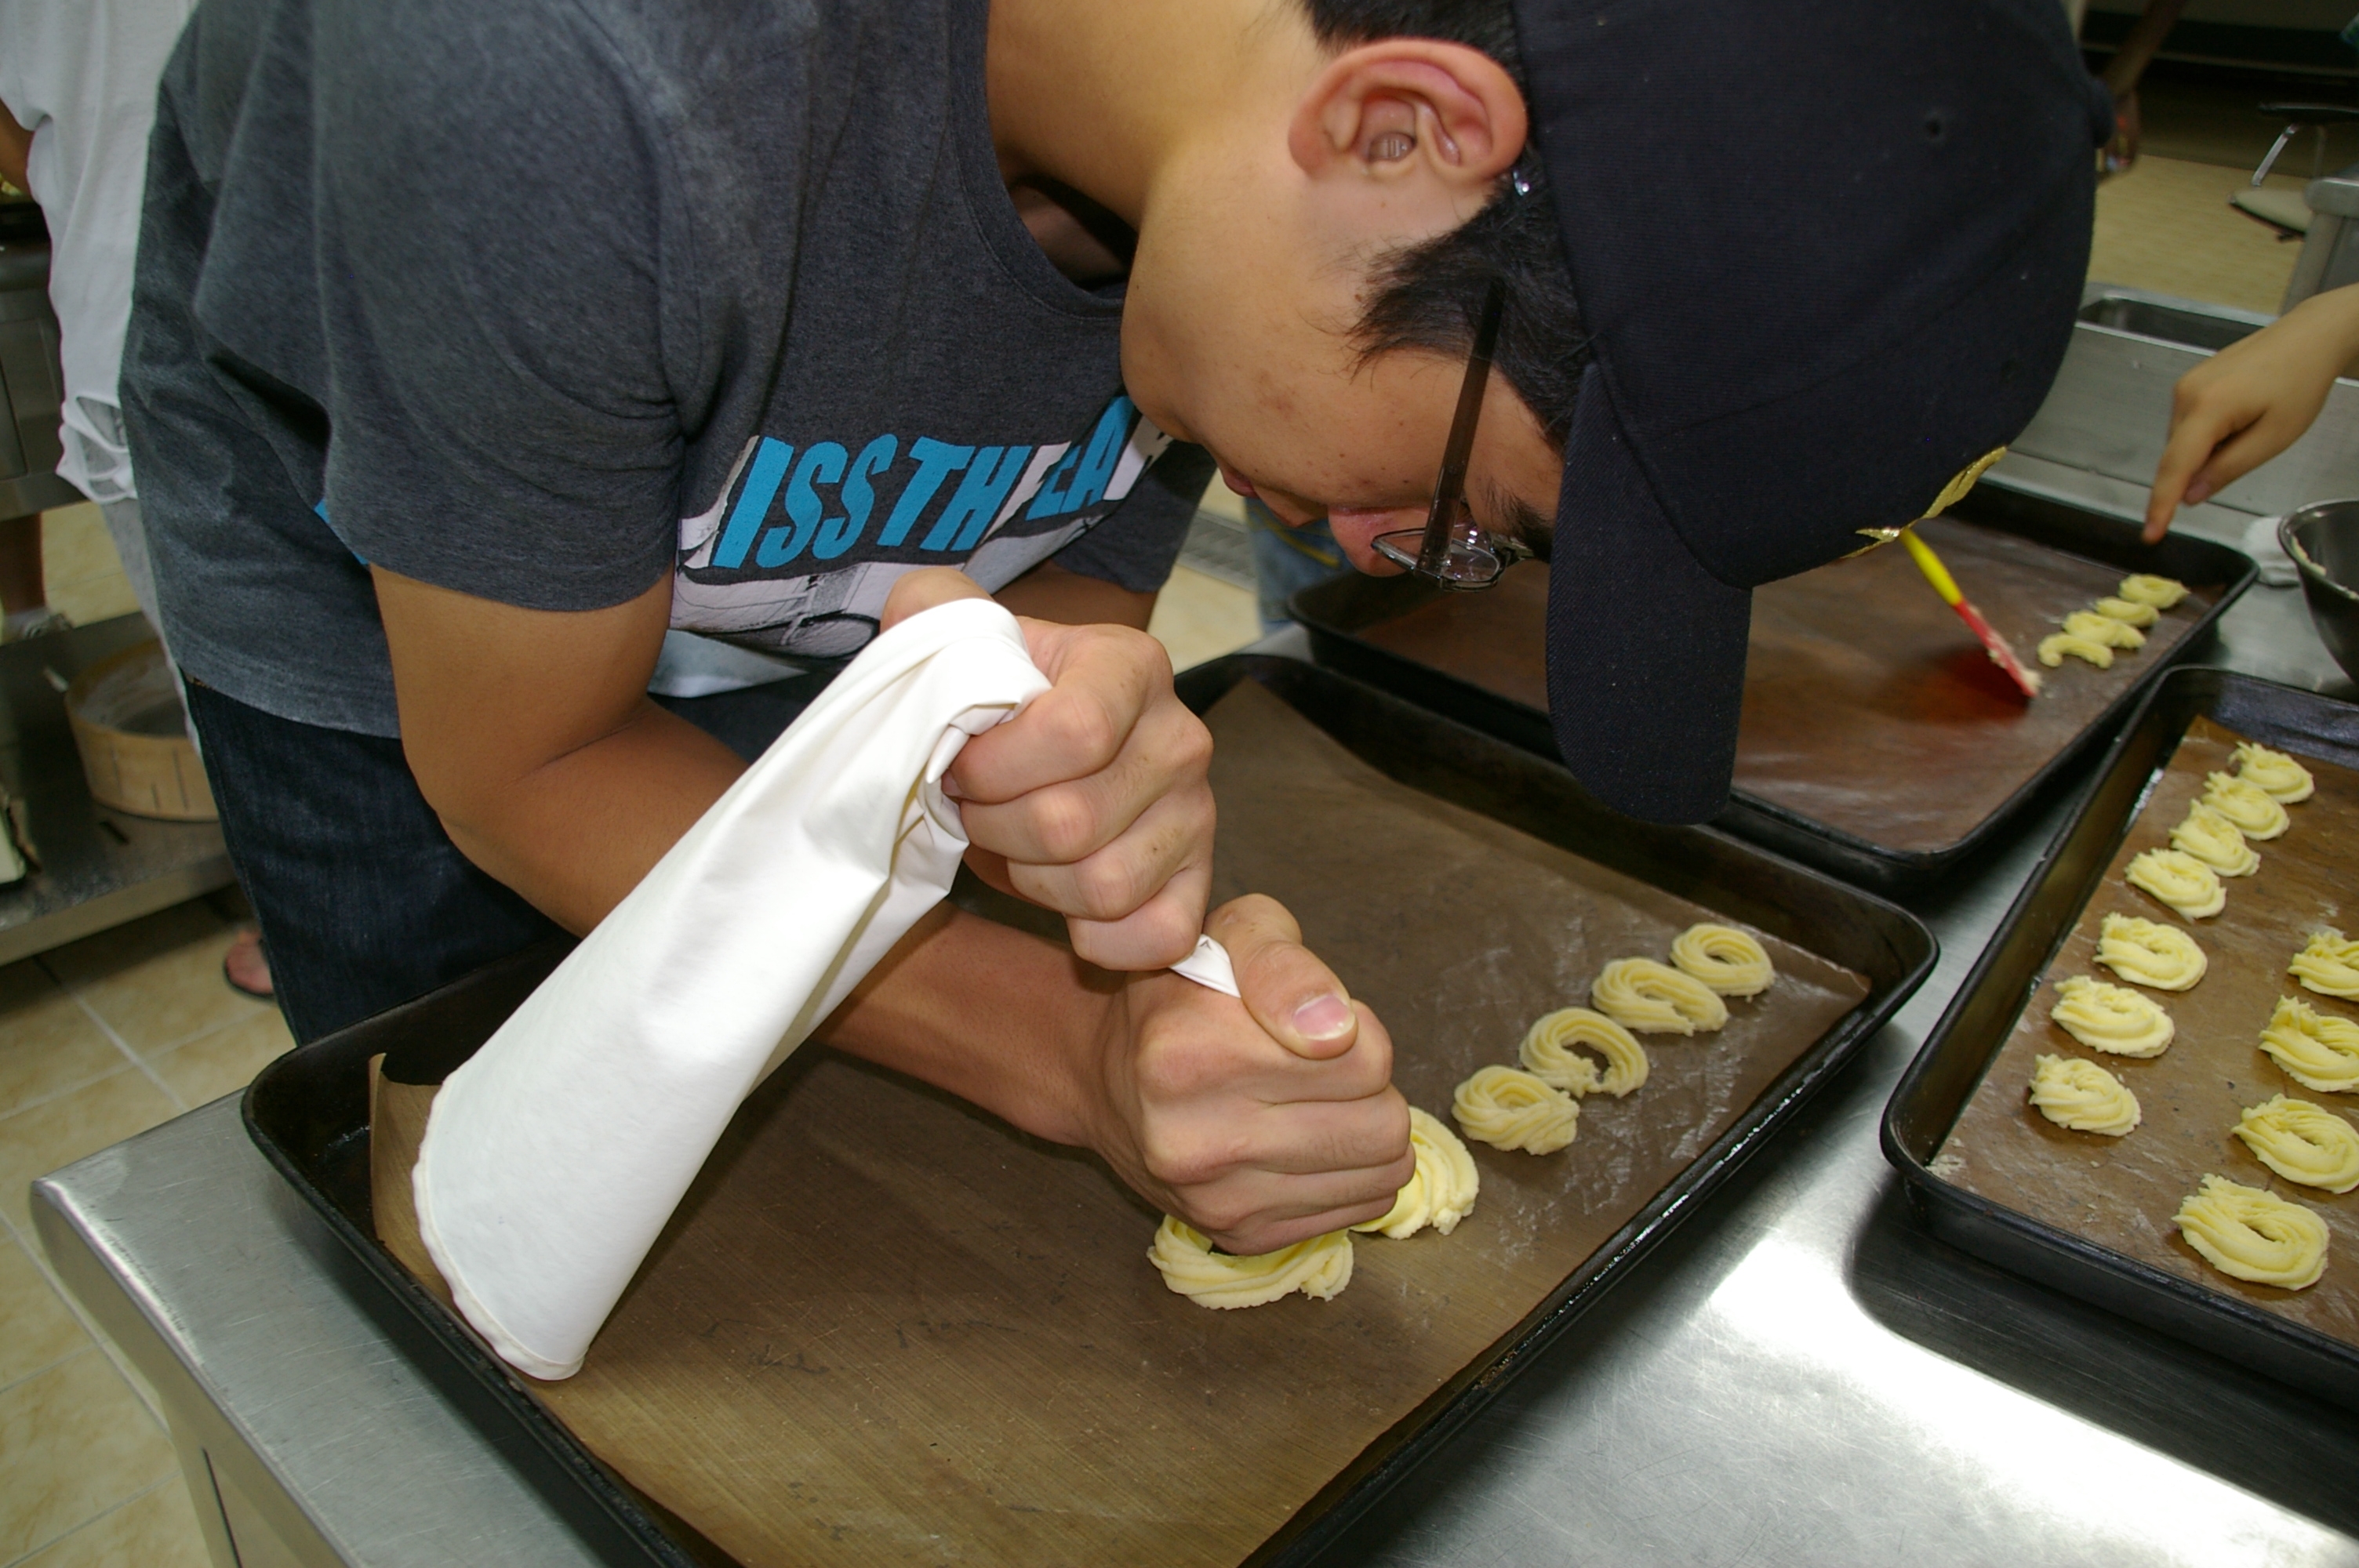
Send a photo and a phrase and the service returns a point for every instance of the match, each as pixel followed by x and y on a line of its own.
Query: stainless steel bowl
pixel 2324 540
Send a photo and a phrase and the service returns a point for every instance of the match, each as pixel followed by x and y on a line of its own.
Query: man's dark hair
pixel 1429 295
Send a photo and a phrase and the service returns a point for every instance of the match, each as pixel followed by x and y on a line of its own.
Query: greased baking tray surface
pixel 1878 739
pixel 885 1328
pixel 2092 1214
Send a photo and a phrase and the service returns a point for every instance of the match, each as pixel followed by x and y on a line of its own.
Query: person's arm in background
pixel 2250 401
pixel 15 148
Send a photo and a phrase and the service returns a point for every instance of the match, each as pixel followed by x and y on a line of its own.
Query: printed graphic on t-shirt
pixel 808 538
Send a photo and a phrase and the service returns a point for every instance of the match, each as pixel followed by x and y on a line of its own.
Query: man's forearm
pixel 1002 1020
pixel 1049 592
pixel 578 833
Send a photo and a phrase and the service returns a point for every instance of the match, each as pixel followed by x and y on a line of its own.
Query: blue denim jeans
pixel 1285 559
pixel 364 901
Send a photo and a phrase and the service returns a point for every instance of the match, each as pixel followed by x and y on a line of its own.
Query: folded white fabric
pixel 2260 542
pixel 556 1155
pixel 1210 967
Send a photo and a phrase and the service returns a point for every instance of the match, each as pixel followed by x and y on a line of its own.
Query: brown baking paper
pixel 1868 706
pixel 886 1328
pixel 2121 1193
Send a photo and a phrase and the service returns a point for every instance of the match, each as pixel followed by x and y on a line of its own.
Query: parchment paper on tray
pixel 2121 1193
pixel 884 1327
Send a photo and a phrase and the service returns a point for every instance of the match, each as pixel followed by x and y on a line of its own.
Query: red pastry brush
pixel 1947 586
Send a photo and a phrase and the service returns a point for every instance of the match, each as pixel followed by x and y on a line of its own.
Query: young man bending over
pixel 481 342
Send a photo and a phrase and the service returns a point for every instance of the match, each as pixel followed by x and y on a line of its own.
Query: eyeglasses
pixel 1451 550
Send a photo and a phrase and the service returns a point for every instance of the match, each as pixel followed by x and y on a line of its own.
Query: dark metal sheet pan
pixel 309 1112
pixel 1877 742
pixel 1940 1084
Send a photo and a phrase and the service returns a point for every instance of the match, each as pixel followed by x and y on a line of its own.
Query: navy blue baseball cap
pixel 1830 252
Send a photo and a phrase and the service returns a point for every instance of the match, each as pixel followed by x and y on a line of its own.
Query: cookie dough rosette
pixel 1509 1108
pixel 2303 1142
pixel 2178 879
pixel 2329 965
pixel 2214 841
pixel 1440 1192
pixel 1728 961
pixel 2317 1050
pixel 1641 994
pixel 2247 1233
pixel 1553 1050
pixel 2256 813
pixel 2082 1097
pixel 2280 775
pixel 1319 1267
pixel 2113 1019
pixel 2148 953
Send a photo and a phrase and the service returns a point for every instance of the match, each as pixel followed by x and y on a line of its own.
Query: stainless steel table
pixel 1798 1376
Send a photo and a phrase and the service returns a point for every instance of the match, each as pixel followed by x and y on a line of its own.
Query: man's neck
pixel 1102 97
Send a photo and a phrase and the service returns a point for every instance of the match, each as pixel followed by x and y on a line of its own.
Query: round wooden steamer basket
pixel 136 751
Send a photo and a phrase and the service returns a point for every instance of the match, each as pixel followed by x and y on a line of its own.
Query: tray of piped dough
pixel 2148 1093
pixel 885 1328
pixel 1877 741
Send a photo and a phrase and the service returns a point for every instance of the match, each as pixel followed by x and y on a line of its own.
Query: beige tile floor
pixel 110 1036
pixel 1200 618
pixel 2166 225
pixel 84 579
pixel 98 1040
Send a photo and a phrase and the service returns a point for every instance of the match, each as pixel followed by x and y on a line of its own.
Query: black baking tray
pixel 308 1111
pixel 1336 612
pixel 1937 1085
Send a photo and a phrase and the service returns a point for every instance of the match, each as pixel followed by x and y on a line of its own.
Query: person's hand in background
pixel 2250 401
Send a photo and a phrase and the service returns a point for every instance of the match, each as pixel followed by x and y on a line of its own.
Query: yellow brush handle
pixel 1930 565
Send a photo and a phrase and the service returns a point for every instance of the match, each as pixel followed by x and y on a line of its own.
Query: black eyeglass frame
pixel 1451 550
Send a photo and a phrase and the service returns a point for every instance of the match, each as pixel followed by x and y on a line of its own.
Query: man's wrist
pixel 1004 1021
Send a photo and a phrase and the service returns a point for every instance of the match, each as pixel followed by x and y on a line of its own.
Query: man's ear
pixel 1402 109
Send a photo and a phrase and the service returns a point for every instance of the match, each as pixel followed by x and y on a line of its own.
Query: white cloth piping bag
pixel 555 1156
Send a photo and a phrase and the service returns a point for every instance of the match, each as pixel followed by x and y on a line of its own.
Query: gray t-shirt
pixel 544 299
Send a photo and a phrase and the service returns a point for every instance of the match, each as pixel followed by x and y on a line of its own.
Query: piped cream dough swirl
pixel 2249 1234
pixel 2214 841
pixel 1319 1267
pixel 2148 953
pixel 2081 1096
pixel 2329 966
pixel 2098 627
pixel 2056 645
pixel 2113 1019
pixel 1549 1052
pixel 2285 779
pixel 2144 587
pixel 1639 993
pixel 1728 961
pixel 2129 611
pixel 2178 879
pixel 2303 1142
pixel 2256 813
pixel 1440 1192
pixel 1509 1108
pixel 2317 1050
